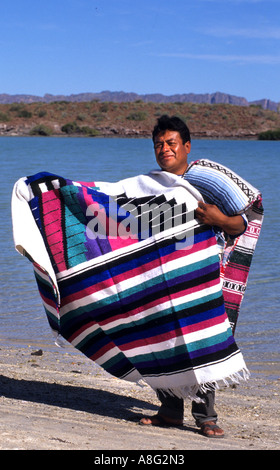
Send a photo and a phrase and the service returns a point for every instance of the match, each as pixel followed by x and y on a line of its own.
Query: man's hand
pixel 210 214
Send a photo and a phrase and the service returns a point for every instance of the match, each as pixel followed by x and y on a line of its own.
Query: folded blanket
pixel 232 195
pixel 129 277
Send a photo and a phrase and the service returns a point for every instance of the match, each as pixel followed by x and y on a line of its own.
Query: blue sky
pixel 142 46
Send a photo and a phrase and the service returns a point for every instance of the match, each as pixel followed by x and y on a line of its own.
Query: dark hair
pixel 173 123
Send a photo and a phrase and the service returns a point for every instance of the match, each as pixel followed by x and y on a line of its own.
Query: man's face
pixel 171 153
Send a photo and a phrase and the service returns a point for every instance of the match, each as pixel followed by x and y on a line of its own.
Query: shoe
pixel 208 430
pixel 160 421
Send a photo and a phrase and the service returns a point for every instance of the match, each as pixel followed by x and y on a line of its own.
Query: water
pixel 22 318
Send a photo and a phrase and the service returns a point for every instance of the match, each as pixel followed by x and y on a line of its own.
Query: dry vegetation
pixel 133 119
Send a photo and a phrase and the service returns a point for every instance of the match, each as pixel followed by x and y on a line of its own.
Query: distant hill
pixel 121 97
pixel 133 119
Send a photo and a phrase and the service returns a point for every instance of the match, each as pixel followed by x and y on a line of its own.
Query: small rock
pixel 37 353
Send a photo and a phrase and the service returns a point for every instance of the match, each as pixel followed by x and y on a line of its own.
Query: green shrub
pixel 42 113
pixel 81 117
pixel 4 117
pixel 41 130
pixel 137 116
pixel 104 108
pixel 23 113
pixel 89 131
pixel 270 135
pixel 16 107
pixel 73 128
pixel 70 128
pixel 98 116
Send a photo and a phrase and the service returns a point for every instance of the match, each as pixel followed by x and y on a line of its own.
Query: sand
pixel 57 399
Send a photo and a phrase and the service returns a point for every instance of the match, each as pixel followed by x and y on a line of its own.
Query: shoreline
pixel 57 399
pixel 250 137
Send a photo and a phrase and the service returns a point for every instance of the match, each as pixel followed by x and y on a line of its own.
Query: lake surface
pixel 22 317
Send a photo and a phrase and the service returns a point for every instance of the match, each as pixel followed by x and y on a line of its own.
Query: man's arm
pixel 210 214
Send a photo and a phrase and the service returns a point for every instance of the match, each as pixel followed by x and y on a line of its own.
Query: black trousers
pixel 173 407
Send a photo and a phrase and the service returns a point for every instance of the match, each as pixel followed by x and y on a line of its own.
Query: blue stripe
pixel 99 274
pixel 150 332
pixel 210 349
pixel 38 176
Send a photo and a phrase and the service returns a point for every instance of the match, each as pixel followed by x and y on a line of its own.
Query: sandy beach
pixel 59 400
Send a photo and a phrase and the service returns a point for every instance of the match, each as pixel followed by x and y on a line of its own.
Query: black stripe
pixel 186 363
pixel 104 313
pixel 48 181
pixel 134 253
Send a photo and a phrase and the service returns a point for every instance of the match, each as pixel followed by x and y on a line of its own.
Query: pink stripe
pixel 107 283
pixel 135 272
pixel 102 351
pixel 52 215
pixel 90 184
pixel 117 243
pixel 39 268
pixel 163 260
pixel 174 333
pixel 111 227
pixel 232 296
pixel 154 303
pixel 143 308
pixel 81 330
pixel 49 302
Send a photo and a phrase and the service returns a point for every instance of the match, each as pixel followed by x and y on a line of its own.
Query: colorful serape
pixel 232 195
pixel 143 300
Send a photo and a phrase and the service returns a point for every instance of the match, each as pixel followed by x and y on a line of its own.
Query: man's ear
pixel 188 146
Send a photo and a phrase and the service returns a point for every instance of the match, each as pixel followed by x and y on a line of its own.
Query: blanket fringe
pixel 191 392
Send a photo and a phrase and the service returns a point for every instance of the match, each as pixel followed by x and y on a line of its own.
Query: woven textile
pixel 143 300
pixel 232 195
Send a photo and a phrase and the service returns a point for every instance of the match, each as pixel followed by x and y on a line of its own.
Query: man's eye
pixel 159 145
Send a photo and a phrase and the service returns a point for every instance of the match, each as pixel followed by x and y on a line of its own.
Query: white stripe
pixel 56 184
pixel 146 313
pixel 85 333
pixel 108 355
pixel 122 286
pixel 43 275
pixel 43 187
pixel 179 341
pixel 185 299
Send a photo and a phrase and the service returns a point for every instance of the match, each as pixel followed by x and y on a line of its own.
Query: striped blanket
pixel 232 195
pixel 129 277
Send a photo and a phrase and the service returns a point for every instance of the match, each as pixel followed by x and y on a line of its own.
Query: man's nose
pixel 165 147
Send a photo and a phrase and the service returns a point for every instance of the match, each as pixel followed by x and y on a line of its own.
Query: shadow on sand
pixel 89 400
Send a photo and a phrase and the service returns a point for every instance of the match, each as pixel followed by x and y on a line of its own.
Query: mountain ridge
pixel 121 96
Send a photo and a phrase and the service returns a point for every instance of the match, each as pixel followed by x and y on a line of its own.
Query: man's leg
pixel 205 415
pixel 171 407
pixel 170 412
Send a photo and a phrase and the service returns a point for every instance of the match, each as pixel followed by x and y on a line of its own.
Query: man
pixel 172 144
